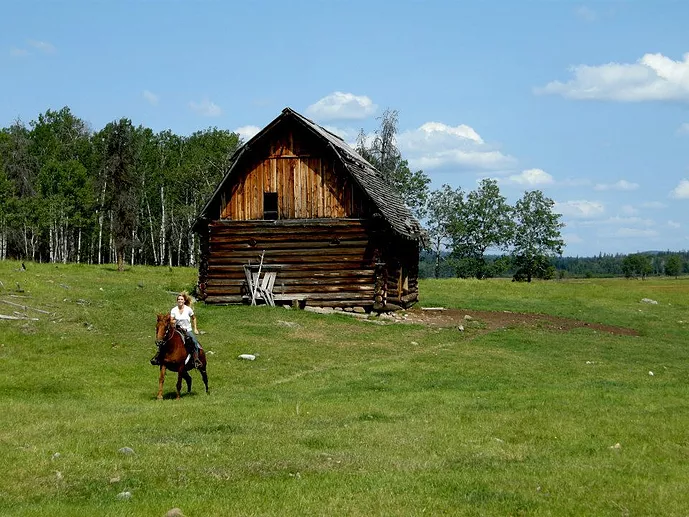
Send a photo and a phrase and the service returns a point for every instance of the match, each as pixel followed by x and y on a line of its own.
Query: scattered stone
pixel 414 343
pixel 248 357
pixel 650 373
pixel 616 446
pixel 432 308
pixel 58 475
pixel 127 451
pixel 467 317
pixel 124 496
pixel 347 309
pixel 386 316
pixel 359 310
pixel 114 480
pixel 55 456
pixel 319 310
pixel 460 328
pixel 648 300
pixel 175 512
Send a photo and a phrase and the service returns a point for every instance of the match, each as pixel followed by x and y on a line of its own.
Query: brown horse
pixel 172 355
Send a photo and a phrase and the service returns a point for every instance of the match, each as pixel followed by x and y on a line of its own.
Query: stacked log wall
pixel 324 263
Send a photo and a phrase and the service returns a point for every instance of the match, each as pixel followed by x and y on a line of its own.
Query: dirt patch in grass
pixel 489 320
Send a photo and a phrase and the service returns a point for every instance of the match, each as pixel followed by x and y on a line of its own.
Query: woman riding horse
pixel 172 355
pixel 183 316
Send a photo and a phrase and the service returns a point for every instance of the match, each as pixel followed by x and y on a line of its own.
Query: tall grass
pixel 339 416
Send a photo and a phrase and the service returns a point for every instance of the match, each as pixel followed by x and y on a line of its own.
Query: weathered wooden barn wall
pixel 308 184
pixel 324 262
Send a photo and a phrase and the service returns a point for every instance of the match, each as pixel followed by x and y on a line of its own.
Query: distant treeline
pixel 637 265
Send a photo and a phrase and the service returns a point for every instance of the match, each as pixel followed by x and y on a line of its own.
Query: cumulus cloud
pixel 673 224
pixel 629 210
pixel 531 178
pixel 653 204
pixel 681 191
pixel 580 209
pixel 435 145
pixel 342 106
pixel 637 221
pixel 683 129
pixel 586 13
pixel 635 232
pixel 206 108
pixel 620 185
pixel 151 97
pixel 43 46
pixel 18 52
pixel 246 133
pixel 654 77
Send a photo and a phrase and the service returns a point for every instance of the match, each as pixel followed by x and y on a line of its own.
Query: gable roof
pixel 370 180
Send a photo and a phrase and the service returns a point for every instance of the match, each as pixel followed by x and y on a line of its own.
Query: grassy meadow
pixel 338 416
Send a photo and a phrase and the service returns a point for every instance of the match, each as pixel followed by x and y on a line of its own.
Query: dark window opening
pixel 270 205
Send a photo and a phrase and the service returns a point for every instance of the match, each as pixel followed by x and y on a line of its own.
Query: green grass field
pixel 339 416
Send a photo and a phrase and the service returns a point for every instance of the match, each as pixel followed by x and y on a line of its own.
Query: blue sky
pixel 584 101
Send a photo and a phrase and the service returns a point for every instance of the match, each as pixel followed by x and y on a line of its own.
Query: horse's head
pixel 163 329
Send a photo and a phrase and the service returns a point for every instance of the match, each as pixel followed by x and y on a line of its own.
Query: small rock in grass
pixel 616 446
pixel 648 300
pixel 124 496
pixel 414 343
pixel 248 357
pixel 126 451
pixel 467 317
pixel 175 512
pixel 55 456
pixel 460 328
pixel 114 480
pixel 650 373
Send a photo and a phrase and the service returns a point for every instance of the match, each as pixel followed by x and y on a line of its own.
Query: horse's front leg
pixel 161 380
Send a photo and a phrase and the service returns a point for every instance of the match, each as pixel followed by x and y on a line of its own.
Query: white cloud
pixel 681 191
pixel 673 224
pixel 683 129
pixel 434 145
pixel 629 210
pixel 342 106
pixel 206 108
pixel 532 178
pixel 18 52
pixel 246 133
pixel 638 221
pixel 654 77
pixel 151 97
pixel 580 209
pixel 635 232
pixel 586 13
pixel 572 238
pixel 43 46
pixel 620 185
pixel 653 204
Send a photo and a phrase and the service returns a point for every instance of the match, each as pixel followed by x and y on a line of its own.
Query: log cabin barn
pixel 298 201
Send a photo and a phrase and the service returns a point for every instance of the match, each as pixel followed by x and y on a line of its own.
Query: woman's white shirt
pixel 183 317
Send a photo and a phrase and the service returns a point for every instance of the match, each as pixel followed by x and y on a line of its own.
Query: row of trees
pixel 120 194
pixel 469 224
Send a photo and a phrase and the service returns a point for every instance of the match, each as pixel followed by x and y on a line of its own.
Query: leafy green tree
pixel 536 236
pixel 673 265
pixel 120 172
pixel 637 265
pixel 384 155
pixel 483 221
pixel 443 204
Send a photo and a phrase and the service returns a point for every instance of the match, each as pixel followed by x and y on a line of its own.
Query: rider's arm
pixel 193 322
